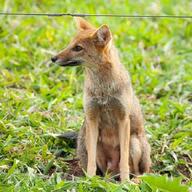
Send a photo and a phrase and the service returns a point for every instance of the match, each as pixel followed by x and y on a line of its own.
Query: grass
pixel 38 99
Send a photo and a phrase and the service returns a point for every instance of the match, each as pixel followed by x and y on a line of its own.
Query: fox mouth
pixel 70 63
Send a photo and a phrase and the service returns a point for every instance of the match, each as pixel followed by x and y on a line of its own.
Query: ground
pixel 39 100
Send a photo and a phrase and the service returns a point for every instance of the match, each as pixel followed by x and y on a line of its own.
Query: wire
pixel 97 15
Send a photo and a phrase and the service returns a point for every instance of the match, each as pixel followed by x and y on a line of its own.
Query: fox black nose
pixel 53 59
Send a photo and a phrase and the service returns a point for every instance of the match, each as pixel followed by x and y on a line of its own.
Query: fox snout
pixel 54 59
pixel 66 62
pixel 70 56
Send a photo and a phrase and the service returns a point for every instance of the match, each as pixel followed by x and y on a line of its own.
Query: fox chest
pixel 105 108
pixel 108 110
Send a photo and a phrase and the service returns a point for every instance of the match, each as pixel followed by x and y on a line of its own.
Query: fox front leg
pixel 124 136
pixel 91 145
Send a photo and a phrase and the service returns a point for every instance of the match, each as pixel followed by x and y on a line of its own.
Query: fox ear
pixel 102 35
pixel 82 24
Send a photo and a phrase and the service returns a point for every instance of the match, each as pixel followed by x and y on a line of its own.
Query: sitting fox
pixel 112 138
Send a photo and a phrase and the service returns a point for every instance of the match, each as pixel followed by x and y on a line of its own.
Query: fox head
pixel 89 47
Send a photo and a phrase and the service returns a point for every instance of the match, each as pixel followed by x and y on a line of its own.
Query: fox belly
pixel 108 151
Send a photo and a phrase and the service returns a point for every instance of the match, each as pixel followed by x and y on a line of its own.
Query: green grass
pixel 38 99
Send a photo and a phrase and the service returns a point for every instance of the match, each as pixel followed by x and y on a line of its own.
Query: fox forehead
pixel 85 35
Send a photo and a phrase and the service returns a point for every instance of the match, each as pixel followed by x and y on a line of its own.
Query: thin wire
pixel 96 15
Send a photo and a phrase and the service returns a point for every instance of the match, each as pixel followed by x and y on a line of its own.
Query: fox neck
pixel 107 77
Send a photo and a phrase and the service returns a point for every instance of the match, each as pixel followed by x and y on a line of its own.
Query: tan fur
pixel 112 137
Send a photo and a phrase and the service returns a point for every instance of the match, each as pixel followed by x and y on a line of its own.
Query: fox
pixel 112 138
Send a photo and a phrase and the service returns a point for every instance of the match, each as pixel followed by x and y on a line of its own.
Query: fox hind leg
pixel 145 162
pixel 135 154
pixel 140 154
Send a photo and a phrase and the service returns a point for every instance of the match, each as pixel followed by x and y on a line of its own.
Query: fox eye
pixel 77 48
